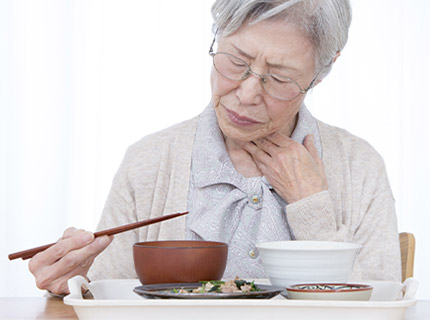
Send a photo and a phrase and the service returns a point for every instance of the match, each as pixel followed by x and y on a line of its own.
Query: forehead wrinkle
pixel 270 64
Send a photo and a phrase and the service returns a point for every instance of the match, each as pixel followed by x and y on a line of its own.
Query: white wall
pixel 80 80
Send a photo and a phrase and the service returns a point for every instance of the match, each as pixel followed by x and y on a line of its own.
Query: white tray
pixel 115 299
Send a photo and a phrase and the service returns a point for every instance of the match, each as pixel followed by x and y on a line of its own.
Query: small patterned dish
pixel 329 291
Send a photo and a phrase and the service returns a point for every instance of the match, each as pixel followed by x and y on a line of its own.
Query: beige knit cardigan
pixel 359 207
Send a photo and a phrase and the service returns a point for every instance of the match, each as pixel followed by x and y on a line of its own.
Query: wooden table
pixel 35 308
pixel 51 308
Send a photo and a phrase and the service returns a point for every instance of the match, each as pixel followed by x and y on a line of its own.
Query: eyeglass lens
pixel 234 68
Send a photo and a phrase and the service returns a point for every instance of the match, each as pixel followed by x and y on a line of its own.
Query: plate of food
pixel 231 289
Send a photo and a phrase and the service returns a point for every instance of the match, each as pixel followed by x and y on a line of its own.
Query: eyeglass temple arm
pixel 316 77
pixel 311 84
pixel 211 51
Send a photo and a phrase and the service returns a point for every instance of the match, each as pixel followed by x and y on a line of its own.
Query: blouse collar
pixel 211 158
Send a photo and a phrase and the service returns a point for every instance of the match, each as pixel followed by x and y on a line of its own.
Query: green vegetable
pixel 240 283
pixel 215 288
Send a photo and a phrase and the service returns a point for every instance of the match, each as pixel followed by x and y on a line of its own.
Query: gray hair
pixel 324 22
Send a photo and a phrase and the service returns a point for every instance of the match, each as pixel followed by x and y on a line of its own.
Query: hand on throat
pixel 242 159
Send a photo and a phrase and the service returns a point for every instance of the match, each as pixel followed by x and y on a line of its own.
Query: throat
pixel 242 160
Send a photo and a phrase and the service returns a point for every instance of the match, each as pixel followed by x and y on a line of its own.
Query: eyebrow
pixel 243 52
pixel 272 65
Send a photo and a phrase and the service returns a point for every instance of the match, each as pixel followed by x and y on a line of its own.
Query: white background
pixel 81 80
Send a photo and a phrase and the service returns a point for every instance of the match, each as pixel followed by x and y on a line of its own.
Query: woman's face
pixel 245 111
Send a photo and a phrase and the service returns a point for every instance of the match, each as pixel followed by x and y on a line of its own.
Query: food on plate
pixel 218 286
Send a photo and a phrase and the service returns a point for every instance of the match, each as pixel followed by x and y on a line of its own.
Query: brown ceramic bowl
pixel 179 261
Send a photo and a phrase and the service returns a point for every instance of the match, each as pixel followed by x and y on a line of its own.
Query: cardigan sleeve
pixel 120 209
pixel 376 229
pixel 152 181
pixel 358 207
pixel 313 218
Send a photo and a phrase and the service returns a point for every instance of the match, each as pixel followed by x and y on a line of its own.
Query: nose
pixel 250 90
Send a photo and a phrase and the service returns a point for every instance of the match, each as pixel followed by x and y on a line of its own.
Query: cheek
pixel 282 114
pixel 220 85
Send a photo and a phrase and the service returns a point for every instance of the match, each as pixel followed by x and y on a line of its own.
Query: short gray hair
pixel 324 22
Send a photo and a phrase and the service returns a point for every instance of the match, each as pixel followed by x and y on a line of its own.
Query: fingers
pixel 266 151
pixel 77 261
pixel 257 152
pixel 282 141
pixel 267 146
pixel 73 254
pixel 276 143
pixel 309 144
pixel 75 240
pixel 60 285
pixel 79 258
pixel 294 170
pixel 68 233
pixel 279 140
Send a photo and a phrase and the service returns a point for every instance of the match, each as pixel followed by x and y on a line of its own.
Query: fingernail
pixel 103 241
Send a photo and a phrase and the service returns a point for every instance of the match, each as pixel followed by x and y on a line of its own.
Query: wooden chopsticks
pixel 29 253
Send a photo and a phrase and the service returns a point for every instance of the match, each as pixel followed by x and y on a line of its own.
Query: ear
pixel 316 82
pixel 336 56
pixel 334 60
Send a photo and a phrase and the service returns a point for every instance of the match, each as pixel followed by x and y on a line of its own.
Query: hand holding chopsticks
pixel 73 254
pixel 27 254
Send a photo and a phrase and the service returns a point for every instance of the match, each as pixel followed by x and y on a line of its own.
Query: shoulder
pixel 171 135
pixel 339 142
pixel 351 159
pixel 352 164
pixel 159 149
pixel 177 136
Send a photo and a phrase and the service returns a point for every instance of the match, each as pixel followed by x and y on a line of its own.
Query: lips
pixel 240 120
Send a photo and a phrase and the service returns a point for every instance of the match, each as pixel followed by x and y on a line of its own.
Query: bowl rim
pixel 152 244
pixel 344 245
pixel 359 287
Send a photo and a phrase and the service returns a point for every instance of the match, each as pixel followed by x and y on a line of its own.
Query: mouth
pixel 240 120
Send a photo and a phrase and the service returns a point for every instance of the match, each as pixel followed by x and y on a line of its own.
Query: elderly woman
pixel 255 165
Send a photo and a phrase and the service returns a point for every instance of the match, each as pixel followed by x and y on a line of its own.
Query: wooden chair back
pixel 407 252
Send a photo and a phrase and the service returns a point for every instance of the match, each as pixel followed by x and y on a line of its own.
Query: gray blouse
pixel 225 206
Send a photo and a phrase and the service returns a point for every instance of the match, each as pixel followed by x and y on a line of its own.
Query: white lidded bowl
pixel 291 262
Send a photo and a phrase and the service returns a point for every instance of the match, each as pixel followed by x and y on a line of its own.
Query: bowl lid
pixel 329 287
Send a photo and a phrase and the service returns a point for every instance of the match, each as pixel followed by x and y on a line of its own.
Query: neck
pixel 289 128
pixel 242 160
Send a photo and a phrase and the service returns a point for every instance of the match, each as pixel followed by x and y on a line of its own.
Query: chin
pixel 238 135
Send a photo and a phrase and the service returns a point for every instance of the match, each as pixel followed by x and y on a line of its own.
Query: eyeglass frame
pixel 263 77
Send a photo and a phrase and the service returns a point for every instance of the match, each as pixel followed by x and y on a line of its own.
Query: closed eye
pixel 280 79
pixel 238 63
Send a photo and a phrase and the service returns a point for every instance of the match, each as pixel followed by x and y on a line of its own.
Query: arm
pixel 120 209
pixel 76 251
pixel 358 208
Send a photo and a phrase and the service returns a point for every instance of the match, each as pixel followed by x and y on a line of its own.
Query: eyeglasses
pixel 234 68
